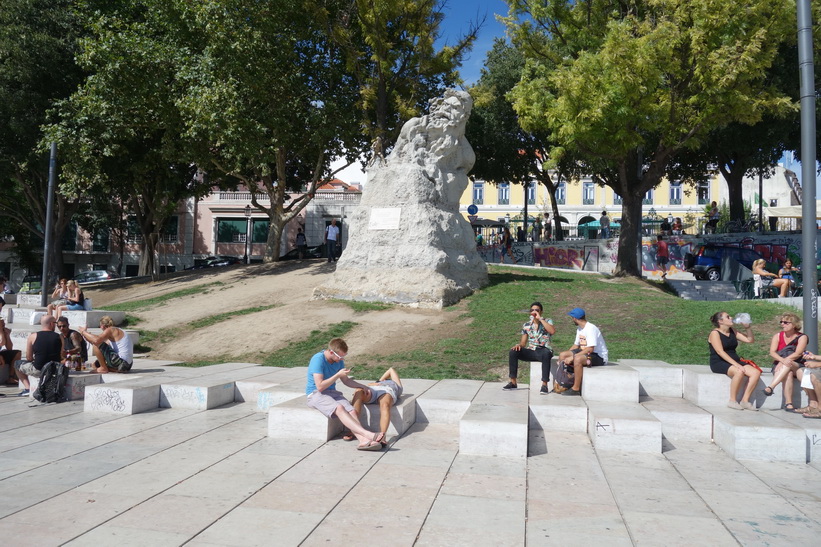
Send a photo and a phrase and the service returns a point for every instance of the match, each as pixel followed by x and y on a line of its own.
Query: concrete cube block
pixel 657 378
pixel 681 419
pixel 447 401
pixel 295 419
pixel 274 395
pixel 628 427
pixel 812 429
pixel 494 430
pixel 611 383
pixel 556 413
pixel 75 385
pixel 197 394
pixel 127 397
pixel 758 436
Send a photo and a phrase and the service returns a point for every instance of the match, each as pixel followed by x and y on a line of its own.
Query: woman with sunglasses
pixel 723 341
pixel 787 348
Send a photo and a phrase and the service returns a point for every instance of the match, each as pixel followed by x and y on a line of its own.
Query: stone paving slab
pixel 213 478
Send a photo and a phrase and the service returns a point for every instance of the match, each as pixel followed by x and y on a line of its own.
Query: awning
pixel 597 224
pixel 791 211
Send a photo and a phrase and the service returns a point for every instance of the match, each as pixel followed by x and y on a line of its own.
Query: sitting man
pixel 386 392
pixel 588 349
pixel 41 348
pixel 73 343
pixel 113 348
pixel 8 355
pixel 534 345
pixel 325 368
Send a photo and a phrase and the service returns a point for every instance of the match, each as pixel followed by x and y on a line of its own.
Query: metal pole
pixel 52 180
pixel 247 239
pixel 760 202
pixel 809 235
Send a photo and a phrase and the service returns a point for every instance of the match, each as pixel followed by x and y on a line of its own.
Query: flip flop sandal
pixel 373 447
pixel 814 416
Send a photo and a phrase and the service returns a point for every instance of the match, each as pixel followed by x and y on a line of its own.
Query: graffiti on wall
pixel 496 254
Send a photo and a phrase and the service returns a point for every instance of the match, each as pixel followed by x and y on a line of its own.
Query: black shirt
pixel 47 346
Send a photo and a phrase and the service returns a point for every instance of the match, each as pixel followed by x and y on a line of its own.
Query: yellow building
pixel 581 201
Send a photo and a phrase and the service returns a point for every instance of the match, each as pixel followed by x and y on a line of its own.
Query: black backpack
pixel 52 383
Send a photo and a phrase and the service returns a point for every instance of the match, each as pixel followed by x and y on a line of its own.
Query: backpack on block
pixel 52 383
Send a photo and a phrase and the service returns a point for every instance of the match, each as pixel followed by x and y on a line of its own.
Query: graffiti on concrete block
pixel 106 399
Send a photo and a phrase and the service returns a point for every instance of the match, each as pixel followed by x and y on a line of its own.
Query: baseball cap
pixel 576 313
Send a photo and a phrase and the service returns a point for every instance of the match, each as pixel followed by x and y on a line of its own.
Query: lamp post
pixel 247 233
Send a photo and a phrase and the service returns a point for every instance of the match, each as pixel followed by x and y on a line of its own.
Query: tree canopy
pixel 627 86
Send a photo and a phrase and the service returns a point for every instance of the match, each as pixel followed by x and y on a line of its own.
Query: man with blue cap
pixel 588 349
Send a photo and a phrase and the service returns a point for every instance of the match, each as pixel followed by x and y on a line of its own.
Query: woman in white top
pixel 59 296
pixel 764 278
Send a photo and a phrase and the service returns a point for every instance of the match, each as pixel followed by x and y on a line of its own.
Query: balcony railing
pixel 478 201
pixel 675 201
pixel 504 201
pixel 587 201
pixel 338 196
pixel 240 196
pixel 647 201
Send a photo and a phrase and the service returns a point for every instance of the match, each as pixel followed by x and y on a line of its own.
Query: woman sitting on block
pixel 75 301
pixel 787 348
pixel 763 278
pixel 724 359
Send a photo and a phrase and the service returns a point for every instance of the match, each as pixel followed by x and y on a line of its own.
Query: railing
pixel 587 201
pixel 338 196
pixel 647 201
pixel 478 201
pixel 675 201
pixel 240 196
pixel 504 201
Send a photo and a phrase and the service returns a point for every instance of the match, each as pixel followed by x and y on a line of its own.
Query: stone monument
pixel 408 244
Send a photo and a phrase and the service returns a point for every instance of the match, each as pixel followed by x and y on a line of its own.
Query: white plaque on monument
pixel 384 218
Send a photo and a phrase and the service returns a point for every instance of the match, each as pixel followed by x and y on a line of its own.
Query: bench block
pixel 75 385
pixel 611 383
pixel 681 419
pixel 295 419
pixel 628 427
pixel 556 413
pixel 196 394
pixel 708 389
pixel 126 397
pixel 758 436
pixel 447 401
pixel 494 430
pixel 248 390
pixel 812 429
pixel 30 300
pixel 403 415
pixel 274 395
pixel 83 318
pixel 657 378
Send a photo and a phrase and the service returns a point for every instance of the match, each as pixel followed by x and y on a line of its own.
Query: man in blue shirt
pixel 325 368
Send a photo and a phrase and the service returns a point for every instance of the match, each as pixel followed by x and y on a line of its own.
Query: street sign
pixel 472 209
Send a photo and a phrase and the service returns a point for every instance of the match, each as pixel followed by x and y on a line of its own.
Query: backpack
pixel 52 383
pixel 563 378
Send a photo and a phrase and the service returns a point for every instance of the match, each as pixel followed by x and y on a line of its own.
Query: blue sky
pixel 458 15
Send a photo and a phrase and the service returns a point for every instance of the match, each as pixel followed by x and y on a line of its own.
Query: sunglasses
pixel 785 322
pixel 337 355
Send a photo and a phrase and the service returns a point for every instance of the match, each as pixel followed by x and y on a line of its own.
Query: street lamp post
pixel 247 233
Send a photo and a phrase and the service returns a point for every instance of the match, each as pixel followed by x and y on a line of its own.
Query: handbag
pixel 751 363
pixel 788 350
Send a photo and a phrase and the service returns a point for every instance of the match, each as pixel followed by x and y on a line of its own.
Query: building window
pixel 531 193
pixel 675 193
pixel 231 231
pixel 504 193
pixel 99 243
pixel 478 193
pixel 70 237
pixel 617 199
pixel 259 231
pixel 648 198
pixel 132 231
pixel 168 234
pixel 561 193
pixel 703 192
pixel 588 193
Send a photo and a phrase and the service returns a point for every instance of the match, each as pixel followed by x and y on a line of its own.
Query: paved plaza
pixel 175 476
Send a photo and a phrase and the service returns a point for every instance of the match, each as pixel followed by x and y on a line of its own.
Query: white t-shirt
pixel 592 337
pixel 332 232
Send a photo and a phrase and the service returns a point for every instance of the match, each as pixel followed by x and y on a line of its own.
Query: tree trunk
pixel 627 263
pixel 733 171
pixel 148 256
pixel 274 242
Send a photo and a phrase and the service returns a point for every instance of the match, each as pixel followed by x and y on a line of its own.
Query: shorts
pixel 327 401
pixel 593 359
pixel 386 386
pixel 663 260
pixel 27 368
pixel 8 355
pixel 112 360
pixel 76 307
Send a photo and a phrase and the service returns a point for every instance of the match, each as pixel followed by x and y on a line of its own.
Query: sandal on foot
pixel 801 410
pixel 348 437
pixel 813 415
pixel 789 407
pixel 378 436
pixel 768 391
pixel 370 447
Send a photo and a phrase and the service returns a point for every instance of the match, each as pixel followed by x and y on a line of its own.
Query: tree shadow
pixel 502 278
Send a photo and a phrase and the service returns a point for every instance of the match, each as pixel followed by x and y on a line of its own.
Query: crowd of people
pixel 57 341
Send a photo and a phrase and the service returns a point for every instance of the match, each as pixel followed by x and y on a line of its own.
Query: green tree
pixel 628 85
pixel 38 42
pixel 120 131
pixel 389 47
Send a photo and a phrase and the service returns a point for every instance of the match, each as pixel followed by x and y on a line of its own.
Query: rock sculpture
pixel 408 243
